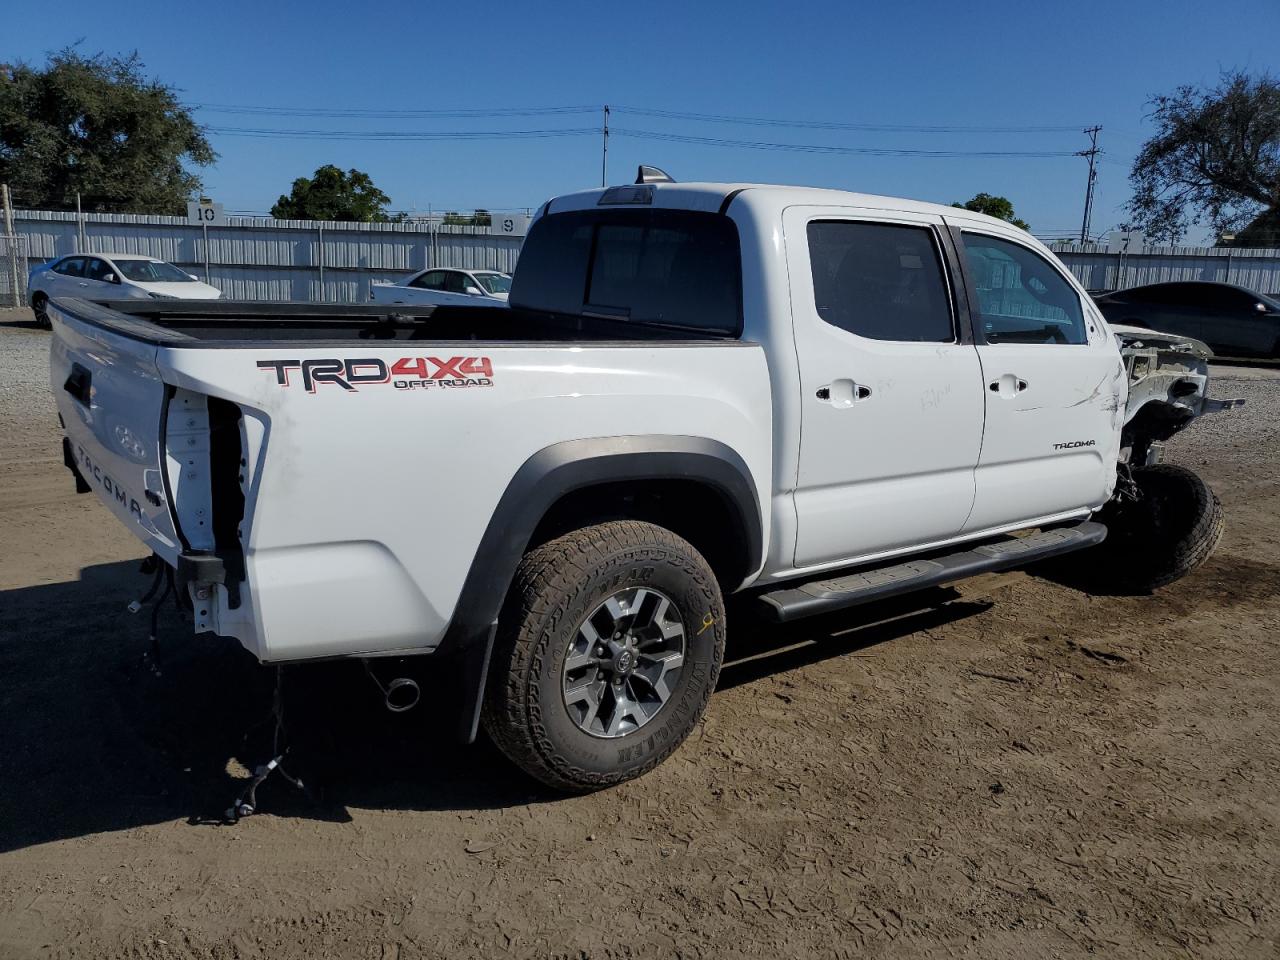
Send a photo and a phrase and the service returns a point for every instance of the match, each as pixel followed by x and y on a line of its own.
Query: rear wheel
pixel 40 308
pixel 1168 532
pixel 609 646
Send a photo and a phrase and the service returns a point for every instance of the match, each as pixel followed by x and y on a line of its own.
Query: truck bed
pixel 322 477
pixel 232 323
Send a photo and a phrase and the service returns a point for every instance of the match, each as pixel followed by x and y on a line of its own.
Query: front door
pixel 1054 387
pixel 891 392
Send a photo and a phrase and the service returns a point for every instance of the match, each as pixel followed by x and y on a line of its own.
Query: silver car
pixel 111 276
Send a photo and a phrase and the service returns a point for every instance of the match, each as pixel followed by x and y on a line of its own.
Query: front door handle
pixel 1008 386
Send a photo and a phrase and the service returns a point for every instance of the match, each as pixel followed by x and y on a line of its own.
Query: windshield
pixel 151 271
pixel 494 282
pixel 677 269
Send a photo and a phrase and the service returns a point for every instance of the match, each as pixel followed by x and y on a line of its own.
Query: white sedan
pixel 446 286
pixel 111 276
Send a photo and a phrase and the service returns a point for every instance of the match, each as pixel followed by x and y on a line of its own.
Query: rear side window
pixel 96 269
pixel 71 267
pixel 662 267
pixel 881 281
pixel 1021 297
pixel 431 280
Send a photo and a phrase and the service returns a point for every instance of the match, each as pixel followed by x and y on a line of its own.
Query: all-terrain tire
pixel 40 310
pixel 556 589
pixel 1169 532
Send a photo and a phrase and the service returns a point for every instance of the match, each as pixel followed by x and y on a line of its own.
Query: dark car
pixel 1230 319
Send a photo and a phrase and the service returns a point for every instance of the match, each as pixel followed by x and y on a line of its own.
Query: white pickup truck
pixel 445 287
pixel 812 397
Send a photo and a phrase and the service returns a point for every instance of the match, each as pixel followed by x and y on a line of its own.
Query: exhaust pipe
pixel 399 695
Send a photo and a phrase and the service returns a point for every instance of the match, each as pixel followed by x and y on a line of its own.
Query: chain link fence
pixel 14 257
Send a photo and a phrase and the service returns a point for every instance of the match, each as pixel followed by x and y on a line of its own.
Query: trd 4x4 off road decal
pixel 407 373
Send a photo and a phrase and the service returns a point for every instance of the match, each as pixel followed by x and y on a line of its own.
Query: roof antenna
pixel 648 174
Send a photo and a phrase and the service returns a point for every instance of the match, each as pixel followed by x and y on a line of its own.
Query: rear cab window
pixel 664 269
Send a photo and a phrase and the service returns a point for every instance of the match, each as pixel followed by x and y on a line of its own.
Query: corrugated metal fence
pixel 257 258
pixel 1101 269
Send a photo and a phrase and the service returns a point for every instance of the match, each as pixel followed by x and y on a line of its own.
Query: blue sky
pixel 1010 64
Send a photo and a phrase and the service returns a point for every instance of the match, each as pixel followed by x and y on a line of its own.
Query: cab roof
pixel 716 197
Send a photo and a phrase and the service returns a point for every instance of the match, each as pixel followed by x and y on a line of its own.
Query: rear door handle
pixel 843 393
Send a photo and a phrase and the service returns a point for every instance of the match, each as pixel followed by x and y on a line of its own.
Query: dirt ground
pixel 1010 770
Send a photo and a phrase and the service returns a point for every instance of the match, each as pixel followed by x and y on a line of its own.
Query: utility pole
pixel 12 243
pixel 80 244
pixel 604 149
pixel 1092 154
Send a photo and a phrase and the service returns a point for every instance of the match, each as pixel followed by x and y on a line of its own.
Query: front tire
pixel 609 646
pixel 40 309
pixel 1169 532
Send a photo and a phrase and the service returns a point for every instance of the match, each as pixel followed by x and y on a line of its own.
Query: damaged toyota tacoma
pixel 810 397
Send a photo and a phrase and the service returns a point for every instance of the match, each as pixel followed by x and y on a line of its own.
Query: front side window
pixel 1021 298
pixel 652 267
pixel 494 282
pixel 455 282
pixel 880 281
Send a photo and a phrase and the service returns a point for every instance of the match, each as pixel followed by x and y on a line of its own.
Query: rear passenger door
pixel 891 389
pixel 1173 308
pixel 67 278
pixel 95 282
pixel 1054 386
pixel 431 280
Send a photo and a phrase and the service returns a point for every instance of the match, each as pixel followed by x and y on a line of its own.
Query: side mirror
pixel 110 278
pixel 475 292
pixel 1260 307
pixel 193 276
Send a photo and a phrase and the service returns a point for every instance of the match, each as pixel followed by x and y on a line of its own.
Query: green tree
pixel 1215 159
pixel 330 194
pixel 480 218
pixel 99 126
pixel 998 207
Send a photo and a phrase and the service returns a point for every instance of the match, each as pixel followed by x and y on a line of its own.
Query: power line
pixel 487 112
pixel 823 148
pixel 834 125
pixel 273 133
pixel 382 114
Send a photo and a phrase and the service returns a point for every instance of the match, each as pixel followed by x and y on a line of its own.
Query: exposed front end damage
pixel 1168 388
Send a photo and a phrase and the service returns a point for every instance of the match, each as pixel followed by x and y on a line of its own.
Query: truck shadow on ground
pixel 19 322
pixel 95 740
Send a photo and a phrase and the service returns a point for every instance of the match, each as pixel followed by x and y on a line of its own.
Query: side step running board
pixel 823 596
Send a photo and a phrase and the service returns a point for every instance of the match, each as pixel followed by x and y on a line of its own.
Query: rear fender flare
pixel 573 465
